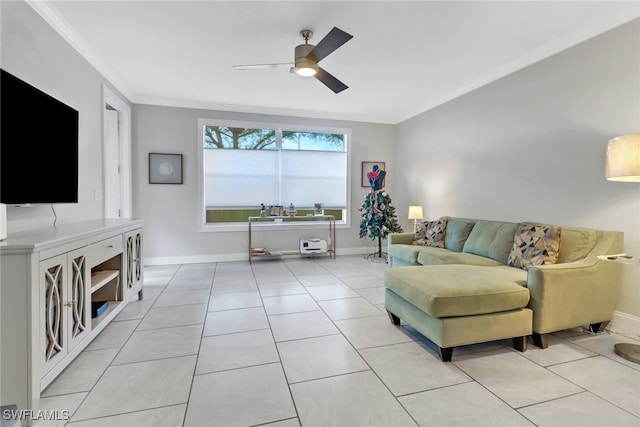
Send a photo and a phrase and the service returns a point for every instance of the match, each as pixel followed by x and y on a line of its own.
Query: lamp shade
pixel 623 158
pixel 415 212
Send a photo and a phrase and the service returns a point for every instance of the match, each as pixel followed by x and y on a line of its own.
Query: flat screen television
pixel 38 145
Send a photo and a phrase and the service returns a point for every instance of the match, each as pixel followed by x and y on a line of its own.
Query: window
pixel 246 164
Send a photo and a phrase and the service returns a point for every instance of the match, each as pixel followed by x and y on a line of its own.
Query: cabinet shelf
pixel 100 278
pixel 266 253
pixel 95 321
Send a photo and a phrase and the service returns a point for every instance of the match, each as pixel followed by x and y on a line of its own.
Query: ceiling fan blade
pixel 262 66
pixel 329 81
pixel 329 43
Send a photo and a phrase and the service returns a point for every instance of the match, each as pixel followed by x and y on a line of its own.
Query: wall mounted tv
pixel 38 145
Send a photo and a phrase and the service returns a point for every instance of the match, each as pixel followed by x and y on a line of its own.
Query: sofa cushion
pixel 460 290
pixel 491 239
pixel 405 253
pixel 437 256
pixel 457 233
pixel 576 244
pixel 431 233
pixel 535 245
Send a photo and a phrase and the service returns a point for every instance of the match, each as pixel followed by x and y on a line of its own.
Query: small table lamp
pixel 623 164
pixel 415 213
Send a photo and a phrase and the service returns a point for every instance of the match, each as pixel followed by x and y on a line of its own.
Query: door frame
pixel 111 99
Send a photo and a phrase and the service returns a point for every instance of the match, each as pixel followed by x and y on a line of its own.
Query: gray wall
pixel 37 54
pixel 171 211
pixel 531 146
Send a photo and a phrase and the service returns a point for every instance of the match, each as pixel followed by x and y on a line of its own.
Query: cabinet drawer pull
pixel 71 303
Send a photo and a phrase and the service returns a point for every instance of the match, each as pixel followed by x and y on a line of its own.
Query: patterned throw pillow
pixel 535 245
pixel 431 233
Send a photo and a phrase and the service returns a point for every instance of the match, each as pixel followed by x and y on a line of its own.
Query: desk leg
pixel 332 233
pixel 249 248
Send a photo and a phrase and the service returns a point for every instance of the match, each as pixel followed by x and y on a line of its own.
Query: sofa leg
pixel 445 353
pixel 595 327
pixel 540 340
pixel 520 343
pixel 394 319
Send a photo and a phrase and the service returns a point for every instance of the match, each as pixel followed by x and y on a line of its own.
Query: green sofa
pixel 466 293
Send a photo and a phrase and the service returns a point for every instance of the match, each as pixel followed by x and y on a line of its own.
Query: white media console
pixel 49 280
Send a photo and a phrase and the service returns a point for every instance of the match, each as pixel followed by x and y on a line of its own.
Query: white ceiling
pixel 405 57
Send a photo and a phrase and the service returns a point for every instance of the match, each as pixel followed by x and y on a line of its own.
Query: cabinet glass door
pixel 79 317
pixel 52 286
pixel 133 261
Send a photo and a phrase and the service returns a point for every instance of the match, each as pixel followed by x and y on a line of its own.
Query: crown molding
pixel 529 58
pixel 46 9
pixel 53 18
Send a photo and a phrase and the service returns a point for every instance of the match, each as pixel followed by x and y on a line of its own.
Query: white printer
pixel 310 245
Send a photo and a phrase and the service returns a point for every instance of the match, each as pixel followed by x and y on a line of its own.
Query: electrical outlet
pixel 97 194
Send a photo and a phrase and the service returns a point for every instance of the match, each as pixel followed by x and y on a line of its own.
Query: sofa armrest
pixel 572 294
pixel 400 238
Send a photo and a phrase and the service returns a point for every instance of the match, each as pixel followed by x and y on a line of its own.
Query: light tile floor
pixel 307 342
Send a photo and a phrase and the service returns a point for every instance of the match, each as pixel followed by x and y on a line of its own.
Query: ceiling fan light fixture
pixel 305 66
pixel 306 71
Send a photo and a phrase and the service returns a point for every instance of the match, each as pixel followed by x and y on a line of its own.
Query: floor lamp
pixel 623 164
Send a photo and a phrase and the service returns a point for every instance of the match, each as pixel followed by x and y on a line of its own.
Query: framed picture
pixel 366 168
pixel 165 168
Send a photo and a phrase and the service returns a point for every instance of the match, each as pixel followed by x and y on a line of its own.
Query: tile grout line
pixel 195 366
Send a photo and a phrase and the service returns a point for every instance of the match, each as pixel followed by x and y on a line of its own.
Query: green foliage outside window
pixel 312 141
pixel 266 139
pixel 239 138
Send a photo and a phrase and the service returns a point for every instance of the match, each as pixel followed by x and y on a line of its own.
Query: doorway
pixel 116 151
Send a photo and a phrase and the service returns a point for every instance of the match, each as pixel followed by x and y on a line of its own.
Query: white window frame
pixel 226 227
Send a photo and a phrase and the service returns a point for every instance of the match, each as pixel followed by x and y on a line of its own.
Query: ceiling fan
pixel 307 57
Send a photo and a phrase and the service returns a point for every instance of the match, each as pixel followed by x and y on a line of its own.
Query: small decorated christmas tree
pixel 378 214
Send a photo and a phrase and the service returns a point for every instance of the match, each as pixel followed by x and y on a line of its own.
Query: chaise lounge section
pixel 463 281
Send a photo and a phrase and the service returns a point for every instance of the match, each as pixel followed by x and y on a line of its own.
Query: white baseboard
pixel 626 322
pixel 243 256
pixel 195 259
